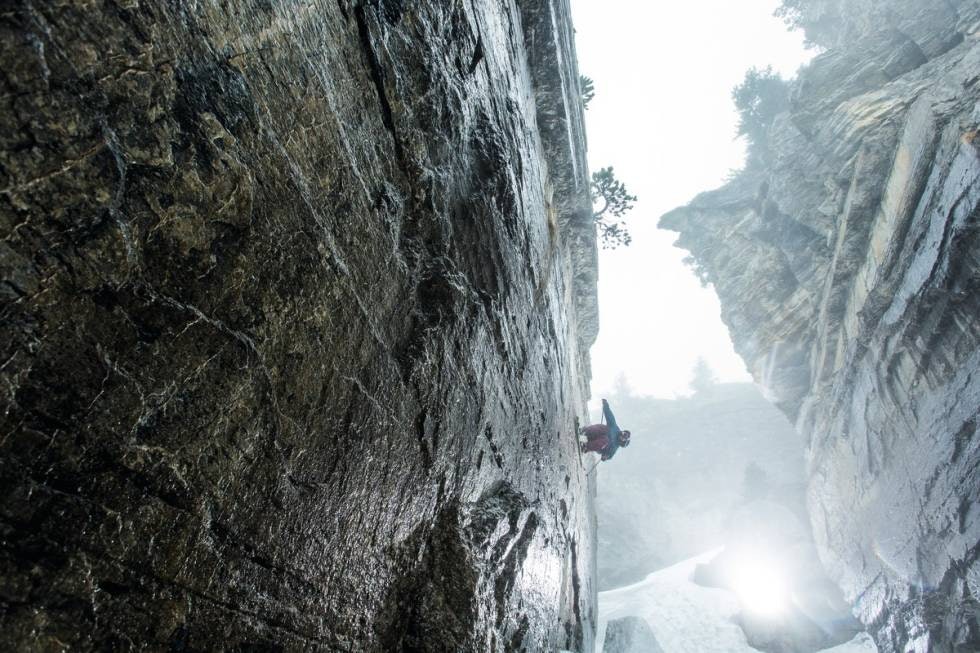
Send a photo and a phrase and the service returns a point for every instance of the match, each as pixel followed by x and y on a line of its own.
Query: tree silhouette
pixel 761 96
pixel 587 88
pixel 612 199
pixel 621 387
pixel 704 379
pixel 820 22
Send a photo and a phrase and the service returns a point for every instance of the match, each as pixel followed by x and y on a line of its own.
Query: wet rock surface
pixel 294 314
pixel 630 635
pixel 848 269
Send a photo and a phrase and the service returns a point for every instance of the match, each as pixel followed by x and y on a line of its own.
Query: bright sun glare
pixel 760 587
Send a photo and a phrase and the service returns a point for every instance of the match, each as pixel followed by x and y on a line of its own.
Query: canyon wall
pixel 296 302
pixel 848 267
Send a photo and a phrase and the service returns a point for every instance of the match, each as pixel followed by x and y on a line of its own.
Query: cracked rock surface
pixel 848 269
pixel 294 315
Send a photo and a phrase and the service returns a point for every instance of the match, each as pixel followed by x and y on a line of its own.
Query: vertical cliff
pixel 848 267
pixel 296 301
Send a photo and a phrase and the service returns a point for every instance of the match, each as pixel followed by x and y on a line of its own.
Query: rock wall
pixel 848 268
pixel 294 318
pixel 630 635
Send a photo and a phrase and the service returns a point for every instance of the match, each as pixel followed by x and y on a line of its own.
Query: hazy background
pixel 719 470
pixel 671 497
pixel 663 117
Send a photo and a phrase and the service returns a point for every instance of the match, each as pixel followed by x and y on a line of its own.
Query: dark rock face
pixel 295 307
pixel 793 632
pixel 630 635
pixel 849 273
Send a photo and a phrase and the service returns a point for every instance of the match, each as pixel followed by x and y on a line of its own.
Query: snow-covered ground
pixel 688 618
pixel 860 644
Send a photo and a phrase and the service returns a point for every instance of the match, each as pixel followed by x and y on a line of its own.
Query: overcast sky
pixel 663 117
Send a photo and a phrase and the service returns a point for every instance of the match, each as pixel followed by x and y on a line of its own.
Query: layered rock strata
pixel 296 301
pixel 848 267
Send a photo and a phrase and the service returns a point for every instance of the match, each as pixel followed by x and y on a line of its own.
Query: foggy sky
pixel 663 117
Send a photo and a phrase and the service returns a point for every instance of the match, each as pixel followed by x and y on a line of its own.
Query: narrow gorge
pixel 847 261
pixel 296 309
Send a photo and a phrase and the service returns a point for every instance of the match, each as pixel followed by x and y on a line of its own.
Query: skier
pixel 605 439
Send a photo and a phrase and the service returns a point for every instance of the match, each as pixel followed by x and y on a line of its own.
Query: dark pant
pixel 598 436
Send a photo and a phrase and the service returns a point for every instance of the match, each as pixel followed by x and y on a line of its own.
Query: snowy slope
pixel 860 644
pixel 688 618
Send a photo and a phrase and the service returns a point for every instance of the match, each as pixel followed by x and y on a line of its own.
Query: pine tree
pixel 587 87
pixel 820 21
pixel 621 387
pixel 761 96
pixel 703 377
pixel 613 201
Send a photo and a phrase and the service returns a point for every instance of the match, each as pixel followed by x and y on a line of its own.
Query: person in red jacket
pixel 605 439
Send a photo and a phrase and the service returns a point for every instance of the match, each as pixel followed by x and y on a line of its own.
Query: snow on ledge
pixel 688 618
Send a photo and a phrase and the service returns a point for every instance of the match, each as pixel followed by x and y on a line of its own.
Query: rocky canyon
pixel 296 302
pixel 847 261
